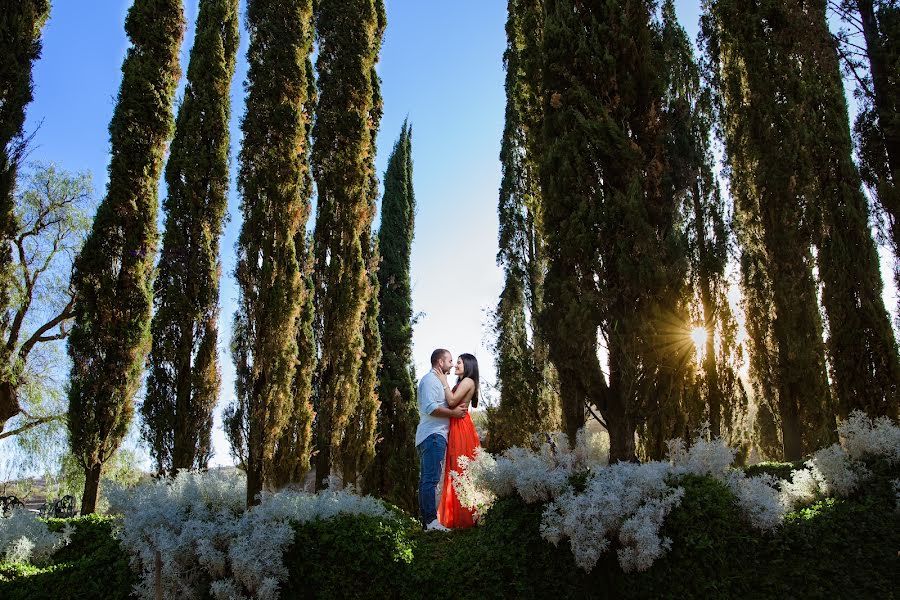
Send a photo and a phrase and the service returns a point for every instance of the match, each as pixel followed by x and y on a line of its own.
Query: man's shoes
pixel 435 526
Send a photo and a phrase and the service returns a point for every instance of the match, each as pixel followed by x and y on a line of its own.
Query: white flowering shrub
pixel 629 502
pixel 625 500
pixel 25 539
pixel 862 436
pixel 193 534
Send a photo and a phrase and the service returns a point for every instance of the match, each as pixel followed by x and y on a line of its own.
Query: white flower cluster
pixel 629 502
pixel 25 539
pixel 838 470
pixel 536 476
pixel 626 500
pixel 193 531
pixel 862 436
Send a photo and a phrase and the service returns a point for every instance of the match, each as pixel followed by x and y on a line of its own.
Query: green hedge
pixel 834 549
pixel 91 566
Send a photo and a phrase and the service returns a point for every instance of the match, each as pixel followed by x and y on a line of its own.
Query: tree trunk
pixel 621 433
pixel 91 488
pixel 9 403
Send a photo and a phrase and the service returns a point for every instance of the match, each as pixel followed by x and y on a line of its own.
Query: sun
pixel 698 334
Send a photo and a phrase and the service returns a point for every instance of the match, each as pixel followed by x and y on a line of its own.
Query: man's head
pixel 442 359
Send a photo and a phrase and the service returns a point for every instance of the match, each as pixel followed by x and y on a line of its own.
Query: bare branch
pixel 39 337
pixel 30 425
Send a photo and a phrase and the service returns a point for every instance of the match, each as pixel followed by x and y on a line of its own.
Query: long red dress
pixel 462 440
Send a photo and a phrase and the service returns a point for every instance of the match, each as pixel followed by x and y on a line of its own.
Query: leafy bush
pixel 93 565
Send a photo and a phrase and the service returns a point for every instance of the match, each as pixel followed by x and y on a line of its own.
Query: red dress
pixel 462 439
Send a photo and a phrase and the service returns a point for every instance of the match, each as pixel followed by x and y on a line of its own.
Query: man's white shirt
pixel 430 395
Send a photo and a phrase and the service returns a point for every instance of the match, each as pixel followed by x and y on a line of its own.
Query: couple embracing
pixel 445 433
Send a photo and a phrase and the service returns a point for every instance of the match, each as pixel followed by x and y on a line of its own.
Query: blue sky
pixel 441 65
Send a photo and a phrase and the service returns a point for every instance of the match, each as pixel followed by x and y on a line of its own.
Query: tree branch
pixel 38 336
pixel 30 425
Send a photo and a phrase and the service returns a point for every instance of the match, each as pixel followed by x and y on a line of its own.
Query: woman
pixel 462 439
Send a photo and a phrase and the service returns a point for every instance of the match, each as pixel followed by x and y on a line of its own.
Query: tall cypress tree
pixel 21 22
pixel 349 33
pixel 753 48
pixel 689 116
pixel 183 383
pixel 870 49
pixel 529 400
pixel 394 473
pixel 110 336
pixel 293 448
pixel 616 255
pixel 274 201
pixel 861 347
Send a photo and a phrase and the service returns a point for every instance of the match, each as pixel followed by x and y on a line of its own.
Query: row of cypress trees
pixel 307 340
pixel 609 193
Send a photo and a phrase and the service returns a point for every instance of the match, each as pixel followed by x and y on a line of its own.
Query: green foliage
pixel 843 548
pixel 275 204
pixel 616 248
pixel 394 473
pixel 53 211
pixel 870 51
pixel 111 334
pixel 751 49
pixel 92 566
pixel 864 364
pixel 349 34
pixel 183 380
pixel 291 458
pixel 21 23
pixel 529 402
pixel 374 554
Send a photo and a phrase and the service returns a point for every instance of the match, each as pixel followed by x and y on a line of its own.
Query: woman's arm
pixel 456 398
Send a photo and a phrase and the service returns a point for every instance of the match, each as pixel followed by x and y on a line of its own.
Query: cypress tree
pixel 394 474
pixel 861 347
pixel 870 49
pixel 183 382
pixel 616 255
pixel 349 34
pixel 293 448
pixel 529 399
pixel 21 22
pixel 753 48
pixel 274 201
pixel 688 111
pixel 112 279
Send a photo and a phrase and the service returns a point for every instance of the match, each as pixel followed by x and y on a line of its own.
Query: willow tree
pixel 529 401
pixel 183 382
pixel 861 347
pixel 616 263
pixel 293 448
pixel 113 274
pixel 720 396
pixel 870 50
pixel 21 22
pixel 275 205
pixel 394 473
pixel 753 49
pixel 349 34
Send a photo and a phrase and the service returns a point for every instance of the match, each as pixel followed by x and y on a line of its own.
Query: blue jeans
pixel 431 457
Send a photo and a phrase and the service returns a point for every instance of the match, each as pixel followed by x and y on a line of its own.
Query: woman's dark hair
pixel 470 370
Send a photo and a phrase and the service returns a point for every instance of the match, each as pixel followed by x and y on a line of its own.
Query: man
pixel 431 435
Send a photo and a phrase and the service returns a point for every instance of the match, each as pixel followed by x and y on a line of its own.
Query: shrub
pixel 92 566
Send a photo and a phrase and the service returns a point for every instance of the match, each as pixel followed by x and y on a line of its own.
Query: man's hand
pixel 449 413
